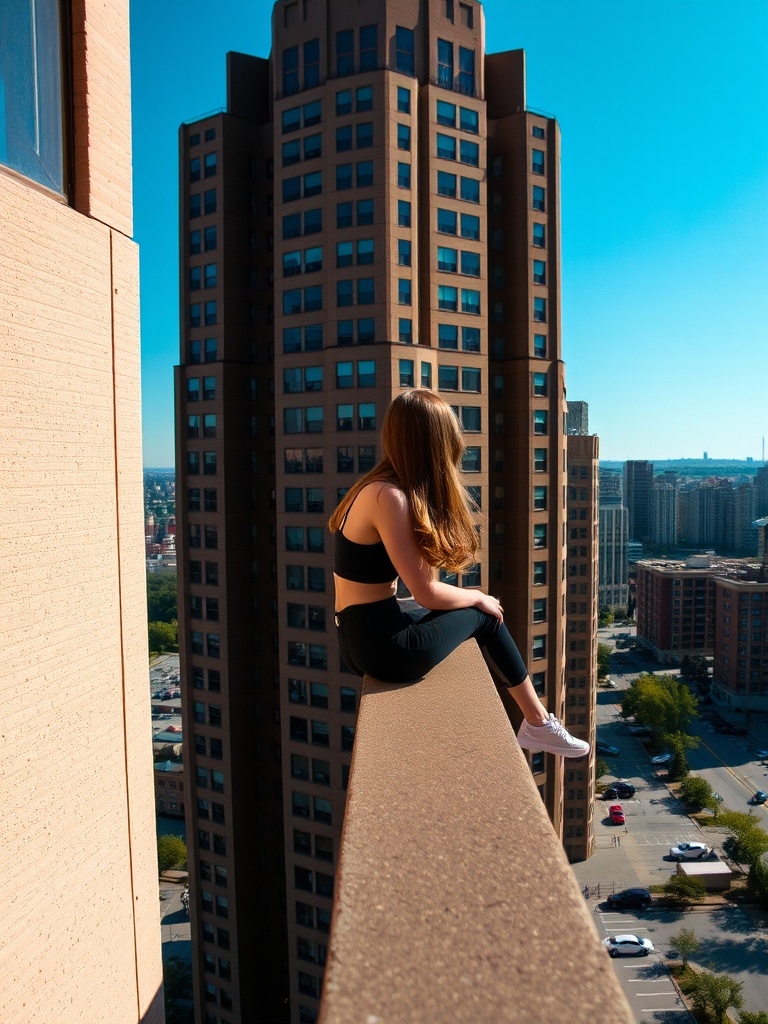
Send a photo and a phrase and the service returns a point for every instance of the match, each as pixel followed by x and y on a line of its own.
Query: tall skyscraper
pixel 376 210
pixel 664 513
pixel 80 935
pixel 761 483
pixel 581 656
pixel 638 499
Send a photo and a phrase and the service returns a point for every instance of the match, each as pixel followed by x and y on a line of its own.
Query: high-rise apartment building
pixel 80 932
pixel 581 654
pixel 761 483
pixel 664 513
pixel 376 211
pixel 638 499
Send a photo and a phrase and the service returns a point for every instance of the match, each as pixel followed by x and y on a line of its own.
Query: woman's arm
pixel 391 517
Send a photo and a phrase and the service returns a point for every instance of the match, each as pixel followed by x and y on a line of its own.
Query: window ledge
pixel 454 899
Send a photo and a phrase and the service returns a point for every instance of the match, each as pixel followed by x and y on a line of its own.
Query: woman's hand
pixel 489 605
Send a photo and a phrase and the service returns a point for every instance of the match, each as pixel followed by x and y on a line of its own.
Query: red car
pixel 617 814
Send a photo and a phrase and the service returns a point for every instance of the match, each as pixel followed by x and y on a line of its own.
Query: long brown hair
pixel 422 447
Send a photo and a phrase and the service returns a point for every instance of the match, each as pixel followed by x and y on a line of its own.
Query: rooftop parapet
pixel 454 899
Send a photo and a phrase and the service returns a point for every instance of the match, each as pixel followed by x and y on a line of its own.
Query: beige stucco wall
pixel 79 929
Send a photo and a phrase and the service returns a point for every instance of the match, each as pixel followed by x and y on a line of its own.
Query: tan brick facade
pixel 78 870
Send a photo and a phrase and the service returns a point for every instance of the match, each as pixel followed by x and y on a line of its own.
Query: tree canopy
pixel 163 636
pixel 660 702
pixel 686 943
pixel 161 597
pixel 712 994
pixel 171 853
pixel 603 660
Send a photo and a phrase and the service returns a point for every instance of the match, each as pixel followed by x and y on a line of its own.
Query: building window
pixel 403 213
pixel 540 460
pixel 447 259
pixel 405 331
pixel 539 573
pixel 447 336
pixel 404 50
pixel 539 535
pixel 539 235
pixel 540 421
pixel 470 263
pixel 539 272
pixel 446 114
pixel 403 100
pixel 364 97
pixel 539 198
pixel 406 373
pixel 466 82
pixel 404 175
pixel 404 137
pixel 540 497
pixel 446 184
pixel 446 147
pixel 469 120
pixel 290 70
pixel 540 384
pixel 539 609
pixel 470 226
pixel 539 647
pixel 469 153
pixel 447 298
pixel 311 63
pixel 540 310
pixel 540 346
pixel 446 222
pixel 445 63
pixel 345 53
pixel 32 125
pixel 537 161
pixel 470 190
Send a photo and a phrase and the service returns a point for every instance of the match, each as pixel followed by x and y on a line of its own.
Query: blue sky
pixel 663 108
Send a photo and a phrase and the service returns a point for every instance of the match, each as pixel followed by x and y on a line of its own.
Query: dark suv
pixel 619 790
pixel 630 898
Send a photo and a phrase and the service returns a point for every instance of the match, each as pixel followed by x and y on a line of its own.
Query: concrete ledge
pixel 454 899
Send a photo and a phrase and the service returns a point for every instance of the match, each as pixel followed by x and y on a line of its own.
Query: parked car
pixel 639 730
pixel 610 683
pixel 616 812
pixel 629 898
pixel 759 798
pixel 619 790
pixel 606 748
pixel 761 754
pixel 689 851
pixel 661 759
pixel 628 945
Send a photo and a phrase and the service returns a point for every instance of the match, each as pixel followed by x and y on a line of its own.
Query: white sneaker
pixel 552 737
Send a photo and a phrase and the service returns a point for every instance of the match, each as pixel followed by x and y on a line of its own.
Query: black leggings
pixel 382 640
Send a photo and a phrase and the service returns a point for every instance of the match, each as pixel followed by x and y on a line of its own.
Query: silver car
pixel 689 851
pixel 628 945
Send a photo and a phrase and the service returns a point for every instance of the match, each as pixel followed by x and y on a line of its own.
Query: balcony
pixel 454 900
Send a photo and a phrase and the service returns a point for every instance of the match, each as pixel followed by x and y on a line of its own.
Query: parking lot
pixel 636 854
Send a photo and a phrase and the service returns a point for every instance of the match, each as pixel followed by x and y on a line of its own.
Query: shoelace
pixel 558 727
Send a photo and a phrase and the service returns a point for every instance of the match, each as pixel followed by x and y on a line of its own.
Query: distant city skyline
pixel 665 220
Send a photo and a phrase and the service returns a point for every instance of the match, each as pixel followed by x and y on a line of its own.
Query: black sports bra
pixel 361 563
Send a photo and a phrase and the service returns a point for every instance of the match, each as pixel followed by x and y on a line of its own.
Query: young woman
pixel 405 518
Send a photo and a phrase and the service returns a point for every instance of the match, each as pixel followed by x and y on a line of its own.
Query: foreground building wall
pixel 80 937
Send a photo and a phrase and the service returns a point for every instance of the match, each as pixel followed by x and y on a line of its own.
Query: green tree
pixel 679 743
pixel 686 944
pixel 161 597
pixel 748 1017
pixel 162 636
pixel 751 841
pixel 605 617
pixel 603 660
pixel 695 792
pixel 661 702
pixel 682 891
pixel 712 994
pixel 171 853
pixel 757 881
pixel 177 984
pixel 601 767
